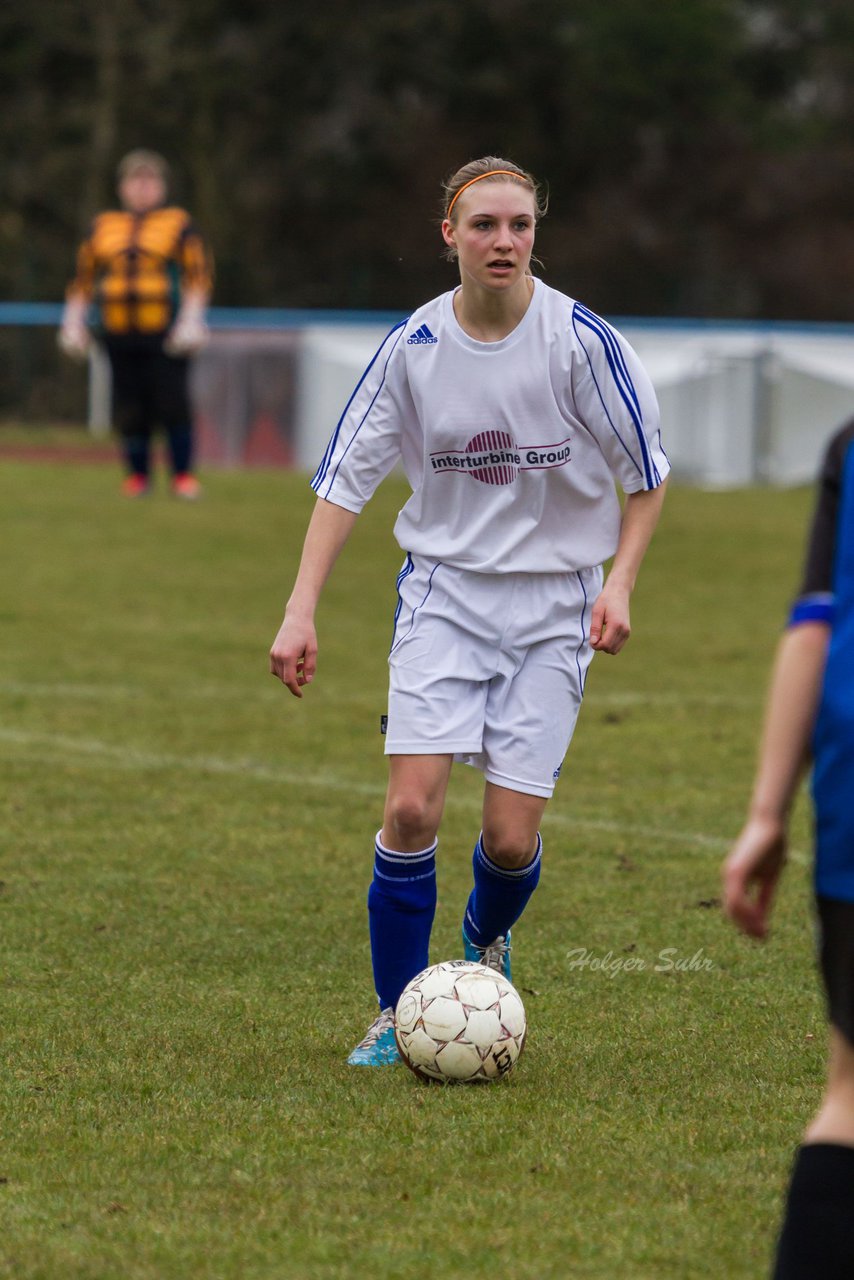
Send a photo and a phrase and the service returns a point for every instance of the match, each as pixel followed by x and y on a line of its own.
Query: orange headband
pixel 491 174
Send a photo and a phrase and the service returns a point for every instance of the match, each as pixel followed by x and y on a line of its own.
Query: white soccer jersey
pixel 512 448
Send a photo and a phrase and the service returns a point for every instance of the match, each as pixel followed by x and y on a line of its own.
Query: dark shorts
pixel 149 388
pixel 836 957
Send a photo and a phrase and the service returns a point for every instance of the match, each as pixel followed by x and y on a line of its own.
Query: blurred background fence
pixel 742 403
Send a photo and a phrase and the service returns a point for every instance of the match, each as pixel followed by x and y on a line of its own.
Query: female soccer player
pixel 148 274
pixel 513 410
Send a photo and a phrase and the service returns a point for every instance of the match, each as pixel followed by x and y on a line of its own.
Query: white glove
pixel 74 338
pixel 189 333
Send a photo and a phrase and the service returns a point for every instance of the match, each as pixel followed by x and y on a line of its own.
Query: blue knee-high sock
pixel 401 906
pixel 499 895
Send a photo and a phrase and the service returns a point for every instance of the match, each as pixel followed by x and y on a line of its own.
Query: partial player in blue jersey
pixel 514 412
pixel 810 717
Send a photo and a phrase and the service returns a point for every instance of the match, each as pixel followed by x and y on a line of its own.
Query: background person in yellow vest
pixel 142 285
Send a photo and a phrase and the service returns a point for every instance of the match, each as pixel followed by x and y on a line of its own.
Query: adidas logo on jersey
pixel 421 335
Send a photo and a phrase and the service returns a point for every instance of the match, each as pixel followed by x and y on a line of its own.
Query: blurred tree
pixel 697 151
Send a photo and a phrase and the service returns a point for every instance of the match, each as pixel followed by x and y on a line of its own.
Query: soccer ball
pixel 460 1021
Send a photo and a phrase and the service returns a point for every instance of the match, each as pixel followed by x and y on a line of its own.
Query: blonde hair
pixel 491 169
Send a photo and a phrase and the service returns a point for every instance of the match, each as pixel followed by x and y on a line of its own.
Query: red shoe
pixel 135 486
pixel 186 486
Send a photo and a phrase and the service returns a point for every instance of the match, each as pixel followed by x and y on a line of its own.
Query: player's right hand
pixel 751 873
pixel 293 657
pixel 74 341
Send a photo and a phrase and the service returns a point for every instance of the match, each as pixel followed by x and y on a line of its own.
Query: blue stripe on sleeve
pixel 325 462
pixel 625 387
pixel 609 339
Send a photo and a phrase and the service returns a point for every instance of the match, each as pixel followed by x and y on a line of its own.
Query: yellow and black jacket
pixel 133 268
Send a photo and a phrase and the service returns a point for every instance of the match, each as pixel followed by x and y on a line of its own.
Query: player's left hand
pixel 188 335
pixel 610 627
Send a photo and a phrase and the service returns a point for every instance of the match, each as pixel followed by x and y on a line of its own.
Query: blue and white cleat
pixel 379 1047
pixel 496 956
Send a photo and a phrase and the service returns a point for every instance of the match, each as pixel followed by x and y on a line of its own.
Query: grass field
pixel 183 936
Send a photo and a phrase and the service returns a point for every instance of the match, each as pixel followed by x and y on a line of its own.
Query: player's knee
pixel 410 821
pixel 509 849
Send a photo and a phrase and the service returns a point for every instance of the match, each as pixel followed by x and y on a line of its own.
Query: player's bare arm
pixel 752 870
pixel 293 656
pixel 610 625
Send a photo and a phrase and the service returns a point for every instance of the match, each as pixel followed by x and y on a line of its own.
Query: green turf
pixel 183 930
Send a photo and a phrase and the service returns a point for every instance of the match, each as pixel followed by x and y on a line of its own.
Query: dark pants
pixel 150 391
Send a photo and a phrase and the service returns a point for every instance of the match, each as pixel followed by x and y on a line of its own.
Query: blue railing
pixel 50 313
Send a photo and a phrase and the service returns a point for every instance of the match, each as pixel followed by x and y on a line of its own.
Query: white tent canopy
pixel 740 404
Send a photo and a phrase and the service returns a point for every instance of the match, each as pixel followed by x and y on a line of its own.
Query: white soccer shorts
pixel 490 668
